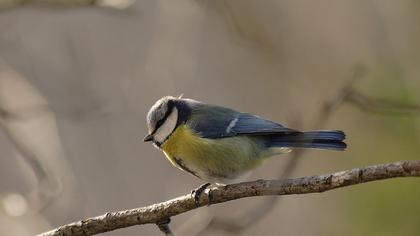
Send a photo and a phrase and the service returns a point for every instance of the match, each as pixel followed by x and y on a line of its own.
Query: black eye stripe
pixel 168 112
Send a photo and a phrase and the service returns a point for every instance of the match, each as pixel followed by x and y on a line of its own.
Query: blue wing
pixel 219 122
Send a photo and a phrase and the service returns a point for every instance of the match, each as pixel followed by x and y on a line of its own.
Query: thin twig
pixel 164 210
pixel 164 227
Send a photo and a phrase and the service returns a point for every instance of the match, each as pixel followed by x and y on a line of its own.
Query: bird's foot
pixel 196 193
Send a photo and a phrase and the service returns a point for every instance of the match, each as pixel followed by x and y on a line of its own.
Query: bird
pixel 221 145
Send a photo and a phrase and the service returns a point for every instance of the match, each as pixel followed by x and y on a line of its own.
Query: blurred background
pixel 77 78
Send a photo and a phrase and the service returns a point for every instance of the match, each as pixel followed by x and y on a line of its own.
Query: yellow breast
pixel 181 144
pixel 211 159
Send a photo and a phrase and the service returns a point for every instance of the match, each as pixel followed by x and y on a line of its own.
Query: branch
pixel 162 211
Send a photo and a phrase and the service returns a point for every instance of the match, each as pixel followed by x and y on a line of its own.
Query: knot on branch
pixel 163 226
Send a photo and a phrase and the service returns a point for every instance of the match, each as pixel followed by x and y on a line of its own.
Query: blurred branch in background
pixel 30 126
pixel 164 210
pixel 15 115
pixel 381 106
pixel 117 4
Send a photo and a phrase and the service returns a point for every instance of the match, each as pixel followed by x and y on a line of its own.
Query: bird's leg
pixel 196 193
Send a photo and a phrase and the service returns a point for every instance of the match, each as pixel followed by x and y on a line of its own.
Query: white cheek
pixel 166 128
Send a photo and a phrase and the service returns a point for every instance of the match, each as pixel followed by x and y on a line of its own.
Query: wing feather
pixel 219 122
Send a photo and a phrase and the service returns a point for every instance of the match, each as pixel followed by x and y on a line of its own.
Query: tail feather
pixel 323 139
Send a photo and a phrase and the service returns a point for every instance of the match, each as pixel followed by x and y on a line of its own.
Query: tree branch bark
pixel 162 211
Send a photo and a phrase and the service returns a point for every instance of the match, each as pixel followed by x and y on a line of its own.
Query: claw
pixel 196 193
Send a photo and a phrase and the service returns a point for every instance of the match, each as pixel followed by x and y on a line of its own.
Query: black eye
pixel 159 123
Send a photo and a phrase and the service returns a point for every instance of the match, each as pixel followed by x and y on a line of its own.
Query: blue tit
pixel 220 145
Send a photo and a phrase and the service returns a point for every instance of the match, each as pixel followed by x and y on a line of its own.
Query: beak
pixel 148 138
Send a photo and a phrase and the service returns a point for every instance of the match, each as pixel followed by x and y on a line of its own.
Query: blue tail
pixel 323 139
